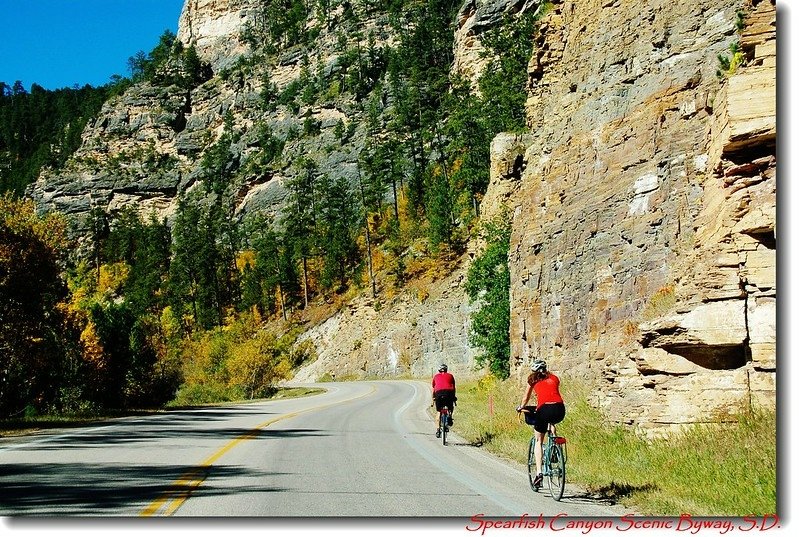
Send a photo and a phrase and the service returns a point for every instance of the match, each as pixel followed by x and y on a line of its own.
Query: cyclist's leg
pixel 554 415
pixel 545 419
pixel 539 450
pixel 437 415
pixel 451 406
pixel 539 444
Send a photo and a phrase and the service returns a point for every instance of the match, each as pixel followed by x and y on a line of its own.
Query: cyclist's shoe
pixel 450 421
pixel 538 481
pixel 438 433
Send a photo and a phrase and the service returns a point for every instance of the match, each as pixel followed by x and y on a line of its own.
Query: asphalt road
pixel 362 449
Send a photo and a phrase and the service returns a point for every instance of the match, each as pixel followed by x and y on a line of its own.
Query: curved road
pixel 361 449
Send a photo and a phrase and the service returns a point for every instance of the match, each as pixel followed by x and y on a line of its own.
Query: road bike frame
pixel 553 462
pixel 443 423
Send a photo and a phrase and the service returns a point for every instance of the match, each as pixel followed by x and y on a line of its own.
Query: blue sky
pixel 60 43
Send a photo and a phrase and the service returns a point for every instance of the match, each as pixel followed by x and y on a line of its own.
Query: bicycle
pixel 443 424
pixel 553 465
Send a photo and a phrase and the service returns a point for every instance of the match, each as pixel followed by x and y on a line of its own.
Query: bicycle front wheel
pixel 557 472
pixel 531 463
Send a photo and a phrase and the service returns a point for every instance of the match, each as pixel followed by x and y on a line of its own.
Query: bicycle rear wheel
pixel 531 463
pixel 443 422
pixel 557 472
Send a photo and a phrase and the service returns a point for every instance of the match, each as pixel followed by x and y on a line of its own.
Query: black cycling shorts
pixel 549 413
pixel 444 398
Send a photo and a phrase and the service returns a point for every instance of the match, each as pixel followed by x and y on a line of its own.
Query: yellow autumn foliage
pixel 238 360
pixel 113 278
pixel 20 217
pixel 170 323
pixel 254 364
pixel 244 258
pixel 92 347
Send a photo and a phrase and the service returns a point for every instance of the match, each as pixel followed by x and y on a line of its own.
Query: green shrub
pixel 201 394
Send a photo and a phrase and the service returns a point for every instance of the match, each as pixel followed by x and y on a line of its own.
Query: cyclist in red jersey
pixel 549 407
pixel 444 392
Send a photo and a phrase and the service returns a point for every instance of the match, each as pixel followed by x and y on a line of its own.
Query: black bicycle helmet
pixel 538 366
pixel 442 368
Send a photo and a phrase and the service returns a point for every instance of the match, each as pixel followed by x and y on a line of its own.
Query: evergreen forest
pixel 140 312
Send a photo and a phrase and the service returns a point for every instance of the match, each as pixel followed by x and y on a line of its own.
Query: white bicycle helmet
pixel 538 366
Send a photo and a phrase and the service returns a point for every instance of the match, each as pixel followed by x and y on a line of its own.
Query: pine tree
pixel 193 276
pixel 150 268
pixel 338 221
pixel 300 220
pixel 269 269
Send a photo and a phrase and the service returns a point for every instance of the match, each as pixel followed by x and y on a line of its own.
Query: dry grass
pixel 711 470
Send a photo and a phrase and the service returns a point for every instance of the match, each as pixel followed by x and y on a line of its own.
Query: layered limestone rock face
pixel 145 148
pixel 474 18
pixel 214 27
pixel 643 253
pixel 129 155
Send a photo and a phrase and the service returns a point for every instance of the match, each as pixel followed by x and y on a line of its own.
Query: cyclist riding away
pixel 444 393
pixel 549 407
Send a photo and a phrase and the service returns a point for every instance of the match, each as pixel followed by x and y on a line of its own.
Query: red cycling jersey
pixel 546 390
pixel 443 381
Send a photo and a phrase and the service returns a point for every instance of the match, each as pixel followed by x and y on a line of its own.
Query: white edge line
pixel 453 472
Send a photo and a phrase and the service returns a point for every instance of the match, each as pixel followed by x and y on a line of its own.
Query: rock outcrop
pixel 643 196
pixel 474 18
pixel 146 146
pixel 214 27
pixel 643 253
pixel 408 335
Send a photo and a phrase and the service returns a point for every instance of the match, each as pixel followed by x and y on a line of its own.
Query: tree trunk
pixel 368 240
pixel 305 280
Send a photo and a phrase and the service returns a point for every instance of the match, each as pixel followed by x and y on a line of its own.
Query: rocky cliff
pixel 146 146
pixel 643 253
pixel 408 335
pixel 215 26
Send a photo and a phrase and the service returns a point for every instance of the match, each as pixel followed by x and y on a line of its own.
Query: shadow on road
pixel 102 489
pixel 173 425
pixel 466 444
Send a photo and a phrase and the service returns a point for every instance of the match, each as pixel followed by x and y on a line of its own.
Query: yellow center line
pixel 182 488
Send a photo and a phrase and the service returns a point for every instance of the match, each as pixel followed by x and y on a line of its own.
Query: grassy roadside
pixel 708 470
pixel 227 398
pixel 33 424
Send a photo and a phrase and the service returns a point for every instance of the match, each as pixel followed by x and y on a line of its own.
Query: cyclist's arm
pixel 527 395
